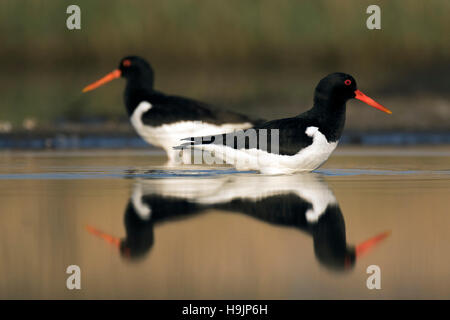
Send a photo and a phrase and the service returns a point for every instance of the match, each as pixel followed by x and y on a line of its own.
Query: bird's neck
pixel 136 91
pixel 330 114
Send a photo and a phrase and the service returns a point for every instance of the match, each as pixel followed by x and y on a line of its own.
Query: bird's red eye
pixel 126 63
pixel 348 82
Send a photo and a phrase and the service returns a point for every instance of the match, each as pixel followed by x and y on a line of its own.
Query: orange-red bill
pixel 365 246
pixel 108 238
pixel 110 76
pixel 361 96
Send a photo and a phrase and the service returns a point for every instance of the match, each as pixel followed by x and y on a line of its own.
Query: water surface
pixel 139 229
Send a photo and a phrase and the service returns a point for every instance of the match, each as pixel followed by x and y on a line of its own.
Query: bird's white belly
pixel 307 159
pixel 167 136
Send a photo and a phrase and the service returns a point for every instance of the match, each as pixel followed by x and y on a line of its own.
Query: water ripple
pixel 200 173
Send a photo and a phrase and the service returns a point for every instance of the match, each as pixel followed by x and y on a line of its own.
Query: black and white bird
pixel 304 202
pixel 285 146
pixel 161 119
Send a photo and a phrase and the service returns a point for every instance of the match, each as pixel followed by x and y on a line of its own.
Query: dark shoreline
pixel 118 139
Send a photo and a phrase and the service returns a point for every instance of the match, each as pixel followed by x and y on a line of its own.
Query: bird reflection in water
pixel 301 201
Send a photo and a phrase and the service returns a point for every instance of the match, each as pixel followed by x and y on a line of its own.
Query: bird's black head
pixel 330 243
pixel 136 69
pixel 134 251
pixel 139 233
pixel 336 87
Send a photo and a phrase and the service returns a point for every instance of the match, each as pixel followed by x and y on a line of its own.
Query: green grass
pixel 327 32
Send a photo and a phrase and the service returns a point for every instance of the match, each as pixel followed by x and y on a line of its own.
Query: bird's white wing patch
pixel 142 209
pixel 136 117
pixel 319 199
pixel 310 131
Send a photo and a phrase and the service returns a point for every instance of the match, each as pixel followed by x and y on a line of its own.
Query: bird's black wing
pixel 289 134
pixel 170 109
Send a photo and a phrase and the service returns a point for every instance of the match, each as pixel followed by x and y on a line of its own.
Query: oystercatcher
pixel 284 146
pixel 161 119
pixel 304 202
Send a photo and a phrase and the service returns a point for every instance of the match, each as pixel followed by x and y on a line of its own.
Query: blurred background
pixel 257 57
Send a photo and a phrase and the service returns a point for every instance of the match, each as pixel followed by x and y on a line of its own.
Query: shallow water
pixel 139 229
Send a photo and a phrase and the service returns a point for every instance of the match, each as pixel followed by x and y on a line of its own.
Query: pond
pixel 140 229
